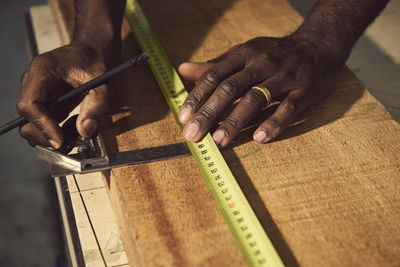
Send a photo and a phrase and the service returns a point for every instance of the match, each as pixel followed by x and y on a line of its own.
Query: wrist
pixel 106 48
pixel 336 25
pixel 98 25
pixel 324 48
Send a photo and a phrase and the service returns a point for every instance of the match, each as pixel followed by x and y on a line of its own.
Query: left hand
pixel 289 66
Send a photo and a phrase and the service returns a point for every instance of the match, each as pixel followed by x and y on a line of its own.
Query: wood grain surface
pixel 327 190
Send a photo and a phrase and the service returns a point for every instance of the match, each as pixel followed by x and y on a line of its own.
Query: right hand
pixel 51 75
pixel 290 67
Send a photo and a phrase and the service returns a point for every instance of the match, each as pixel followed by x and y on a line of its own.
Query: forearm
pixel 98 24
pixel 336 25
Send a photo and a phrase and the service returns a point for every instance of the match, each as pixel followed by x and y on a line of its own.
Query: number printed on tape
pixel 238 214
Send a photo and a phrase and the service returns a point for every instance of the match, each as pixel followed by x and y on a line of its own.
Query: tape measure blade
pixel 159 63
pixel 238 214
pixel 241 219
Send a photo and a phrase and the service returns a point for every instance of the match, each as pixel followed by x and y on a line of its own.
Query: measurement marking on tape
pixel 238 214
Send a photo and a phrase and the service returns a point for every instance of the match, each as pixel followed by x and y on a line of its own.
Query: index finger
pixel 35 92
pixel 208 83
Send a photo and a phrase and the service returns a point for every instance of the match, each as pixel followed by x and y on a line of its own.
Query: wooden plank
pixel 63 13
pixel 44 25
pixel 90 248
pixel 327 191
pixel 100 240
pixel 71 184
pixel 89 181
pixel 104 225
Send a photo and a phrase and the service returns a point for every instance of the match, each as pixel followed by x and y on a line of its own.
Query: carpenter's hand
pixel 289 67
pixel 51 75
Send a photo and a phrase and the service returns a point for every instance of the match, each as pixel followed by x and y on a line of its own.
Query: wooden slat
pixel 89 181
pixel 90 247
pixel 327 191
pixel 98 232
pixel 45 29
pixel 104 226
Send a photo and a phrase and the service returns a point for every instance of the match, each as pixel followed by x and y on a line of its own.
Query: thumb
pixel 193 70
pixel 93 107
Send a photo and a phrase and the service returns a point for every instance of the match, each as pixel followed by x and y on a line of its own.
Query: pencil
pixel 100 80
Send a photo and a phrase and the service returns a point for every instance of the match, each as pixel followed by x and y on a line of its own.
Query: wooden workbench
pixel 327 191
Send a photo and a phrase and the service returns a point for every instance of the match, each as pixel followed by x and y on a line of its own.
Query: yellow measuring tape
pixel 243 223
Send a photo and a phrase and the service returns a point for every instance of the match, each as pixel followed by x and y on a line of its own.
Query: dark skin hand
pixel 94 49
pixel 292 68
pixel 286 66
pixel 56 73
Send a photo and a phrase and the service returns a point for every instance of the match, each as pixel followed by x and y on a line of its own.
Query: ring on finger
pixel 266 93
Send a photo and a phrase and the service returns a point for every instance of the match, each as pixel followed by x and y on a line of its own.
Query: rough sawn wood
pixel 327 191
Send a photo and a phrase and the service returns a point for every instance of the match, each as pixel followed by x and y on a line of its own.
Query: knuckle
pixel 241 50
pixel 233 121
pixel 22 107
pixel 193 99
pixel 23 132
pixel 207 113
pixel 253 97
pixel 274 124
pixel 251 44
pixel 239 47
pixel 289 105
pixel 211 77
pixel 229 87
pixel 254 43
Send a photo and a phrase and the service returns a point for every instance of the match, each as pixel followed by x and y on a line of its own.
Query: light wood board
pixel 327 191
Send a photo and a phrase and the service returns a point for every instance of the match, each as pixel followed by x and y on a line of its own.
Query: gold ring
pixel 265 91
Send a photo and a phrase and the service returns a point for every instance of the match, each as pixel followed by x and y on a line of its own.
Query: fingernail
pixel 191 131
pixel 218 136
pixel 260 136
pixel 90 127
pixel 184 115
pixel 54 144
